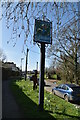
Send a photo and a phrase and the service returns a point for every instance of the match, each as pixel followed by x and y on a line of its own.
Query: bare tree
pixel 2 56
pixel 65 47
pixel 20 18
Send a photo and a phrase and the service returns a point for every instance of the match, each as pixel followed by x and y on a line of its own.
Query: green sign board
pixel 43 32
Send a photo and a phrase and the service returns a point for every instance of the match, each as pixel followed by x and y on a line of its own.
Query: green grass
pixel 54 107
pixel 64 82
pixel 54 76
pixel 61 82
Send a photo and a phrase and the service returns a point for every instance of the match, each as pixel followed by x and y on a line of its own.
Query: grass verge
pixel 54 107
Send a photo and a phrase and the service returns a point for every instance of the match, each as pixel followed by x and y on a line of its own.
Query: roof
pixel 72 85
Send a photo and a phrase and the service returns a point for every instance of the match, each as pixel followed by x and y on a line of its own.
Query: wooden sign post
pixel 41 81
pixel 42 35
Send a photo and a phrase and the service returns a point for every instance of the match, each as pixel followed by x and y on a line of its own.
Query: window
pixel 64 87
pixel 60 87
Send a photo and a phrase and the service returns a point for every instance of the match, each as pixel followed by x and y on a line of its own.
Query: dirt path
pixel 10 108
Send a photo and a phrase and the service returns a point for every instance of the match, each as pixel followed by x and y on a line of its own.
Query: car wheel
pixel 66 98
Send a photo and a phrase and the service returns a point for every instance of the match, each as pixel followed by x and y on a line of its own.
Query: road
pixel 50 84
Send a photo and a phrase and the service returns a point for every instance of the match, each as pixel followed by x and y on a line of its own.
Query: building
pixel 10 65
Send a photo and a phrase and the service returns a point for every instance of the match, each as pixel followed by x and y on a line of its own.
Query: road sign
pixel 43 32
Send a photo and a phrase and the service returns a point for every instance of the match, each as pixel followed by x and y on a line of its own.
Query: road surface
pixel 49 85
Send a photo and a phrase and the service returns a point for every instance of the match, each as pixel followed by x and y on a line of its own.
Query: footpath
pixel 10 109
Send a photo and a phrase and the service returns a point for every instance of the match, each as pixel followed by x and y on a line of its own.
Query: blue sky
pixel 14 54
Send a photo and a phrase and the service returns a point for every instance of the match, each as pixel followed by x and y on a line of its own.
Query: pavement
pixel 10 109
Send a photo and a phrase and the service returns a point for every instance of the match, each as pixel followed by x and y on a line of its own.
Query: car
pixel 69 92
pixel 30 78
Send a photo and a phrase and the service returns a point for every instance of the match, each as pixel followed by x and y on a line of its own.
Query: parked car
pixel 30 78
pixel 69 92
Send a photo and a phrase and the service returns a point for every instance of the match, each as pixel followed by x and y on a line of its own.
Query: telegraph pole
pixel 26 64
pixel 21 63
pixel 37 67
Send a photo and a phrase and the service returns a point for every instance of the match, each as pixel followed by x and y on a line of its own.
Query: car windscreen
pixel 60 86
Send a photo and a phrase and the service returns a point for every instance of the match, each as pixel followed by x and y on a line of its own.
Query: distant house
pixel 9 70
pixel 11 65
